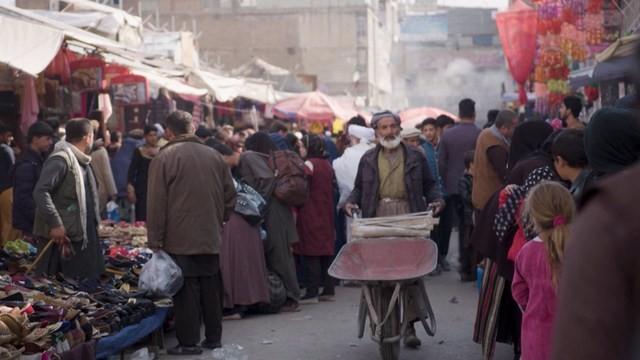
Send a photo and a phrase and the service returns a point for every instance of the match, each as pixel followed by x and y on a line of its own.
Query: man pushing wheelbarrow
pixel 394 179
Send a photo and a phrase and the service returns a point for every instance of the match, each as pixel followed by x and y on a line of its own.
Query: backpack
pixel 291 185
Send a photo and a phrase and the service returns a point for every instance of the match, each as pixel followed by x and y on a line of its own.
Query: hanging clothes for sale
pixel 29 107
pixel 104 105
pixel 59 67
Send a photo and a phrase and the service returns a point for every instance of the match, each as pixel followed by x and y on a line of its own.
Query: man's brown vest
pixel 485 180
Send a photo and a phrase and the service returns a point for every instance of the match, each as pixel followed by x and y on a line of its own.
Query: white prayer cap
pixel 159 130
pixel 362 133
pixel 409 133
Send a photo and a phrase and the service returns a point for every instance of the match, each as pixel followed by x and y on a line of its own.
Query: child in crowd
pixel 465 184
pixel 537 268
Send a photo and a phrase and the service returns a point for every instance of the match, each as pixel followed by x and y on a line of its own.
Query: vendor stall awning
pixel 623 47
pixel 27 46
pixel 170 84
pixel 69 31
pixel 582 77
pixel 226 88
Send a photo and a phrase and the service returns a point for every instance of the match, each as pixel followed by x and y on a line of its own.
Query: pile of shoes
pixel 55 314
pixel 124 233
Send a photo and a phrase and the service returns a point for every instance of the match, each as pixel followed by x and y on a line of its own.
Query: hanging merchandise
pixel 130 89
pixel 60 66
pixel 111 71
pixel 29 107
pixel 87 74
pixel 517 29
pixel 104 105
pixel 570 32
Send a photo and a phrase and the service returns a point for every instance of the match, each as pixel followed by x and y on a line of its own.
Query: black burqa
pixel 612 140
pixel 260 142
pixel 527 138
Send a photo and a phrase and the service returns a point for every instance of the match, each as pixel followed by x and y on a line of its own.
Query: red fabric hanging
pixel 59 66
pixel 518 30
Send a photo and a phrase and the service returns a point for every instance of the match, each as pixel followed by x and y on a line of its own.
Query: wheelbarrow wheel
pixel 391 328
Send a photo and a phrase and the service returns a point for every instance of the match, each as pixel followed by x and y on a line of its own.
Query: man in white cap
pixel 411 137
pixel 345 166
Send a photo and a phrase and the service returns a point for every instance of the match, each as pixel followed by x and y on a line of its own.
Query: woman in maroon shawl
pixel 316 224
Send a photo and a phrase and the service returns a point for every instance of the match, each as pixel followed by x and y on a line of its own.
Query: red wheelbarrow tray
pixel 385 259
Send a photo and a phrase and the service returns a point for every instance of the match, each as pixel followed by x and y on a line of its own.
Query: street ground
pixel 328 331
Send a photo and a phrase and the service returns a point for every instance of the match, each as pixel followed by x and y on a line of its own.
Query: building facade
pixel 345 44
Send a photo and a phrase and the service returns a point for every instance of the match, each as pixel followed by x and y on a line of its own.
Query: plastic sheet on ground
pixel 130 335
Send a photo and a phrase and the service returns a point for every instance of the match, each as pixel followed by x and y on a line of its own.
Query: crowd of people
pixel 255 218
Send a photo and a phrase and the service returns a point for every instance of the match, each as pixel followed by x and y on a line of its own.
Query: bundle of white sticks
pixel 409 225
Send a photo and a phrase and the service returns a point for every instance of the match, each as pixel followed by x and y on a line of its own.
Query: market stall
pixel 42 316
pixel 313 110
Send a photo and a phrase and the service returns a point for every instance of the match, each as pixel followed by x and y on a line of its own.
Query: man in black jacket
pixel 26 173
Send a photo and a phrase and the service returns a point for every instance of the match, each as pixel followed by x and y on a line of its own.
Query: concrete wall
pixel 326 42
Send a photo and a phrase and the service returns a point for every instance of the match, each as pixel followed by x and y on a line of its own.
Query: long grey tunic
pixel 87 263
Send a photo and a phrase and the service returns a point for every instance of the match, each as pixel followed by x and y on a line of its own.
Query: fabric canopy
pixel 170 84
pixel 622 47
pixel 27 46
pixel 313 106
pixel 104 23
pixel 121 16
pixel 226 88
pixel 69 31
pixel 223 88
pixel 414 116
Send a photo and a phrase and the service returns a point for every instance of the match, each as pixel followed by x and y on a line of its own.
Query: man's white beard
pixel 390 144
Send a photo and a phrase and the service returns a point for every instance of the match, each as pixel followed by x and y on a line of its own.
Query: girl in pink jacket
pixel 537 268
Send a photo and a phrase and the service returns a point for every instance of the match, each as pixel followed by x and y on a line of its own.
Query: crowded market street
pixel 319 179
pixel 328 331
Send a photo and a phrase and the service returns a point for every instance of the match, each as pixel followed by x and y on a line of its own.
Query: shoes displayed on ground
pixel 185 350
pixel 410 339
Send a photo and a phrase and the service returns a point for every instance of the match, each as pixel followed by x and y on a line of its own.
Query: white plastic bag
pixel 161 275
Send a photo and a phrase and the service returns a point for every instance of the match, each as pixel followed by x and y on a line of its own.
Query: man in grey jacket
pixel 190 195
pixel 67 211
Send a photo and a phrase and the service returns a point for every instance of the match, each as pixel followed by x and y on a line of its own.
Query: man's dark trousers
pixel 199 300
pixel 447 221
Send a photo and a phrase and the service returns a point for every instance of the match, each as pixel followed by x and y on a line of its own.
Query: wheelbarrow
pixel 390 271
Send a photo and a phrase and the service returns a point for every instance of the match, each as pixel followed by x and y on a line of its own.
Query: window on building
pixel 210 4
pixel 149 6
pixel 361 59
pixel 361 26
